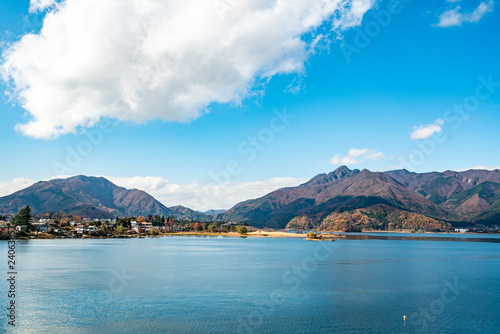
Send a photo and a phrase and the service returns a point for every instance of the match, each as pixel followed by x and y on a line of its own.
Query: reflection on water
pixel 231 285
pixel 422 237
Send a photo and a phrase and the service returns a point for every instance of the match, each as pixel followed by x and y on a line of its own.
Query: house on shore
pixel 461 230
pixel 42 227
pixel 84 229
pixel 136 226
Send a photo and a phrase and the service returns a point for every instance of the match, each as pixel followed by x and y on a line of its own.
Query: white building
pixel 92 228
pixel 84 229
pixel 81 229
pixel 136 226
pixel 461 230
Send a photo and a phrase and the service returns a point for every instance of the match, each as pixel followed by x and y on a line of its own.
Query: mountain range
pixel 94 197
pixel 378 199
pixel 343 199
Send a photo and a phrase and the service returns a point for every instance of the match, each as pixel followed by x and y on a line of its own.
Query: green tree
pixel 23 217
pixel 242 230
pixel 311 235
pixel 120 229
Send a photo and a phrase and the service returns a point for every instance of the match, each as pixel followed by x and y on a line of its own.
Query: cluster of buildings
pixel 86 226
pixel 50 225
pixel 479 229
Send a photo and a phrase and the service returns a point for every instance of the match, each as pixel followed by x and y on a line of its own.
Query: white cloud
pixel 202 197
pixel 356 156
pixel 41 5
pixel 355 152
pixel 450 18
pixel 454 17
pixel 426 131
pixel 138 60
pixel 9 187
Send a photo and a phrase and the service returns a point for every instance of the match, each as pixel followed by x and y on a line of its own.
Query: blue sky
pixel 359 110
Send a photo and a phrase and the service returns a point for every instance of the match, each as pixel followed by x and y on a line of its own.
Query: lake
pixel 251 285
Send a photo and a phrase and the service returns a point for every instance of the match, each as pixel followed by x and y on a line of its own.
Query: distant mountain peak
pixel 88 196
pixel 214 211
pixel 336 175
pixel 183 213
pixel 342 169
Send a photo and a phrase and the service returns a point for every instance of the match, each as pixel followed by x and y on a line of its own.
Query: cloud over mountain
pixel 357 156
pixel 138 60
pixel 205 196
pixel 8 187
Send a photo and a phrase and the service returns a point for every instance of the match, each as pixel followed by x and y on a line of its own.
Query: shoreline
pixel 254 234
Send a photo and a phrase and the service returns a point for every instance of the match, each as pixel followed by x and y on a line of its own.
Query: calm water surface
pixel 245 285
